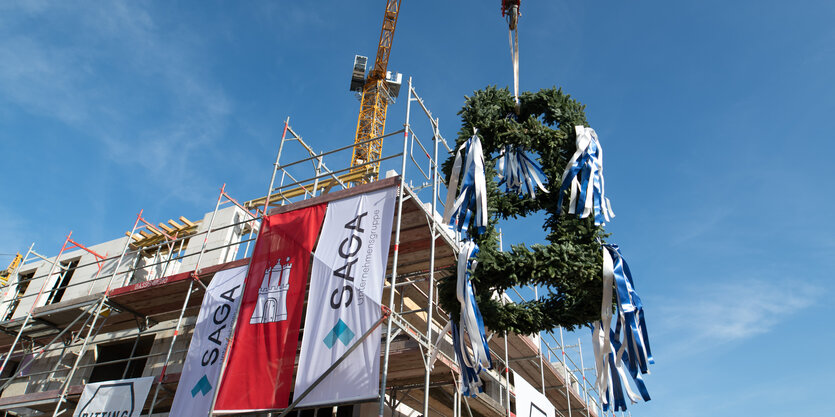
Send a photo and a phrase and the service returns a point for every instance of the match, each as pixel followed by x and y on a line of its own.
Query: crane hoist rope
pixel 510 10
pixel 379 89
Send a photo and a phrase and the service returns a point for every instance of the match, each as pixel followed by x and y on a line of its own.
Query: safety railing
pixel 574 372
pixel 75 342
pixel 419 157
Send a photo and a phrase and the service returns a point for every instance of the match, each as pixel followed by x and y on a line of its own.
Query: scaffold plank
pixel 40 401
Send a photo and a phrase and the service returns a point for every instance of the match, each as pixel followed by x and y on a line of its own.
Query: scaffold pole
pixel 381 409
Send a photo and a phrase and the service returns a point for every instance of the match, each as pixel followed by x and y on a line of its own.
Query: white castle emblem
pixel 272 296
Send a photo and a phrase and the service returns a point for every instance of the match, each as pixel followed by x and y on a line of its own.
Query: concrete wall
pixel 51 370
pixel 153 267
pixel 574 381
pixel 86 278
pixel 221 236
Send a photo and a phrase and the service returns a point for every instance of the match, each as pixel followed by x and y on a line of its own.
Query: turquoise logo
pixel 203 386
pixel 340 332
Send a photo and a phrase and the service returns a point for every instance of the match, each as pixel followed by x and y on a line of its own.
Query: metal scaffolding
pixel 67 328
pixel 419 373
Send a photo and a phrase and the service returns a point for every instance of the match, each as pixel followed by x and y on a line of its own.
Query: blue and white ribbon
pixel 519 172
pixel 468 336
pixel 471 203
pixel 623 352
pixel 584 176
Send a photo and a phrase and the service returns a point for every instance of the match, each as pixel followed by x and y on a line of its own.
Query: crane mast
pixel 374 102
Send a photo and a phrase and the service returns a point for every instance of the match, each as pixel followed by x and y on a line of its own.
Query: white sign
pixel 205 354
pixel 122 398
pixel 529 401
pixel 346 287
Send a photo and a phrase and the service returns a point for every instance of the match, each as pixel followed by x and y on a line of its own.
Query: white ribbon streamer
pixel 519 173
pixel 436 348
pixel 471 203
pixel 583 176
pixel 601 345
pixel 469 337
pixel 623 352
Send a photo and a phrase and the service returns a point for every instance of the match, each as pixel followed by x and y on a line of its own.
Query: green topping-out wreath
pixel 568 268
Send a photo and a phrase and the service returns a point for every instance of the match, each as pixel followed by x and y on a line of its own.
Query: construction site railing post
pixel 399 219
pixel 66 384
pixel 275 166
pixel 195 277
pixel 566 363
pixel 35 303
pixel 11 280
pixel 583 372
pixel 433 235
pixel 567 378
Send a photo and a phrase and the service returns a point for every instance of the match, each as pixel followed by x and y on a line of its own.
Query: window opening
pixel 8 372
pixel 345 411
pixel 23 281
pixel 114 360
pixel 63 280
pixel 11 369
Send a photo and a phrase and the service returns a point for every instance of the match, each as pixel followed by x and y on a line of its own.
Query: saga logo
pixel 220 318
pixel 348 250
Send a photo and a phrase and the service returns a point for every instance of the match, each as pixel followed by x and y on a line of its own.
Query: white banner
pixel 205 354
pixel 122 398
pixel 529 401
pixel 346 287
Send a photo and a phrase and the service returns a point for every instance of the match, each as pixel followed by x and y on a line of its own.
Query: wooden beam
pixel 186 221
pixel 154 230
pixel 166 228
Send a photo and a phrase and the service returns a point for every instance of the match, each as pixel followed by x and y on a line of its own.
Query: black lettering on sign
pixel 228 295
pixel 348 250
pixel 345 272
pixel 219 317
pixel 350 241
pixel 224 312
pixel 335 303
pixel 213 355
pixel 356 223
pixel 215 336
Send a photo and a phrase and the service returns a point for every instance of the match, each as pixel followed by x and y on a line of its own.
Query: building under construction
pixel 126 308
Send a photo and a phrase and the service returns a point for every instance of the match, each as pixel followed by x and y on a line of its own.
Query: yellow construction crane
pixel 4 275
pixel 378 90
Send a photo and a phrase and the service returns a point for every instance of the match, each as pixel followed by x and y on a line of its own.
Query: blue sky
pixel 713 116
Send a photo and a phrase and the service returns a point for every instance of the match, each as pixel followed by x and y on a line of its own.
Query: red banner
pixel 259 371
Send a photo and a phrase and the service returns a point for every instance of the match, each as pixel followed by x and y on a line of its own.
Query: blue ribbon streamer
pixel 583 176
pixel 469 376
pixel 470 327
pixel 471 204
pixel 625 353
pixel 631 310
pixel 519 172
